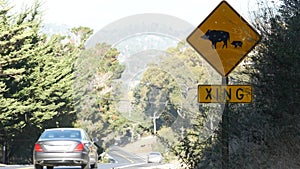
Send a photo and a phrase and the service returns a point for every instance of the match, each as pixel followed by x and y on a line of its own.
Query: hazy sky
pixel 98 13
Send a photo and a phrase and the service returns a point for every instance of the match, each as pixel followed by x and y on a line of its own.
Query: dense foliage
pixel 275 75
pixel 265 133
pixel 96 68
pixel 35 81
pixel 166 92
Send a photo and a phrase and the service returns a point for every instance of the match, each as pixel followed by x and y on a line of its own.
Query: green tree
pixel 18 38
pixel 81 35
pixel 265 134
pixel 276 79
pixel 195 151
pixel 96 68
pixel 169 87
pixel 35 79
pixel 167 90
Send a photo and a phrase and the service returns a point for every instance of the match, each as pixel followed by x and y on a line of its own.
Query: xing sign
pixel 223 94
pixel 224 38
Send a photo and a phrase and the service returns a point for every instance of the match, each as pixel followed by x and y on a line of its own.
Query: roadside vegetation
pixel 54 81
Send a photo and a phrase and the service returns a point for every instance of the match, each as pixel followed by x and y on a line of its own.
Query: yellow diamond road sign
pixel 224 38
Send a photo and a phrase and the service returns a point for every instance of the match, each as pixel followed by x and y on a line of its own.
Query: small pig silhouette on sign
pixel 237 44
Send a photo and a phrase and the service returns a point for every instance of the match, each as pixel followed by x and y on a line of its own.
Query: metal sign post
pixel 225 131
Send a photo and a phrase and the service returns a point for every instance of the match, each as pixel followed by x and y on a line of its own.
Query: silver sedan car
pixel 154 157
pixel 65 147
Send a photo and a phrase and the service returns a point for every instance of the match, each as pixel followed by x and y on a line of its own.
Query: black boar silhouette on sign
pixel 217 36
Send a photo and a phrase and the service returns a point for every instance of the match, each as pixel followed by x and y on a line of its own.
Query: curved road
pixel 124 160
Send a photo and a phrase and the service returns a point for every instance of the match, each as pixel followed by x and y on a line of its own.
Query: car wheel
pixel 85 166
pixel 36 166
pixel 94 166
pixel 50 167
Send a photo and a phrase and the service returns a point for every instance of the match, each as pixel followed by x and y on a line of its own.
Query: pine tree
pixel 268 129
pixel 36 78
pixel 96 68
pixel 17 39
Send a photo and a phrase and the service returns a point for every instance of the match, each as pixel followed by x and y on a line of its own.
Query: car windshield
pixel 61 134
pixel 154 153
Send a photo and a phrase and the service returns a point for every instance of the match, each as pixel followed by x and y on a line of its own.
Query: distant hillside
pixel 152 23
pixel 52 28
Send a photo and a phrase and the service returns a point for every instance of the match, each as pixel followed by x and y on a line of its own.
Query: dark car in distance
pixel 65 147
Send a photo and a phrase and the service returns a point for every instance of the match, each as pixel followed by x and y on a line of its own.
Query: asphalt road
pixel 123 160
